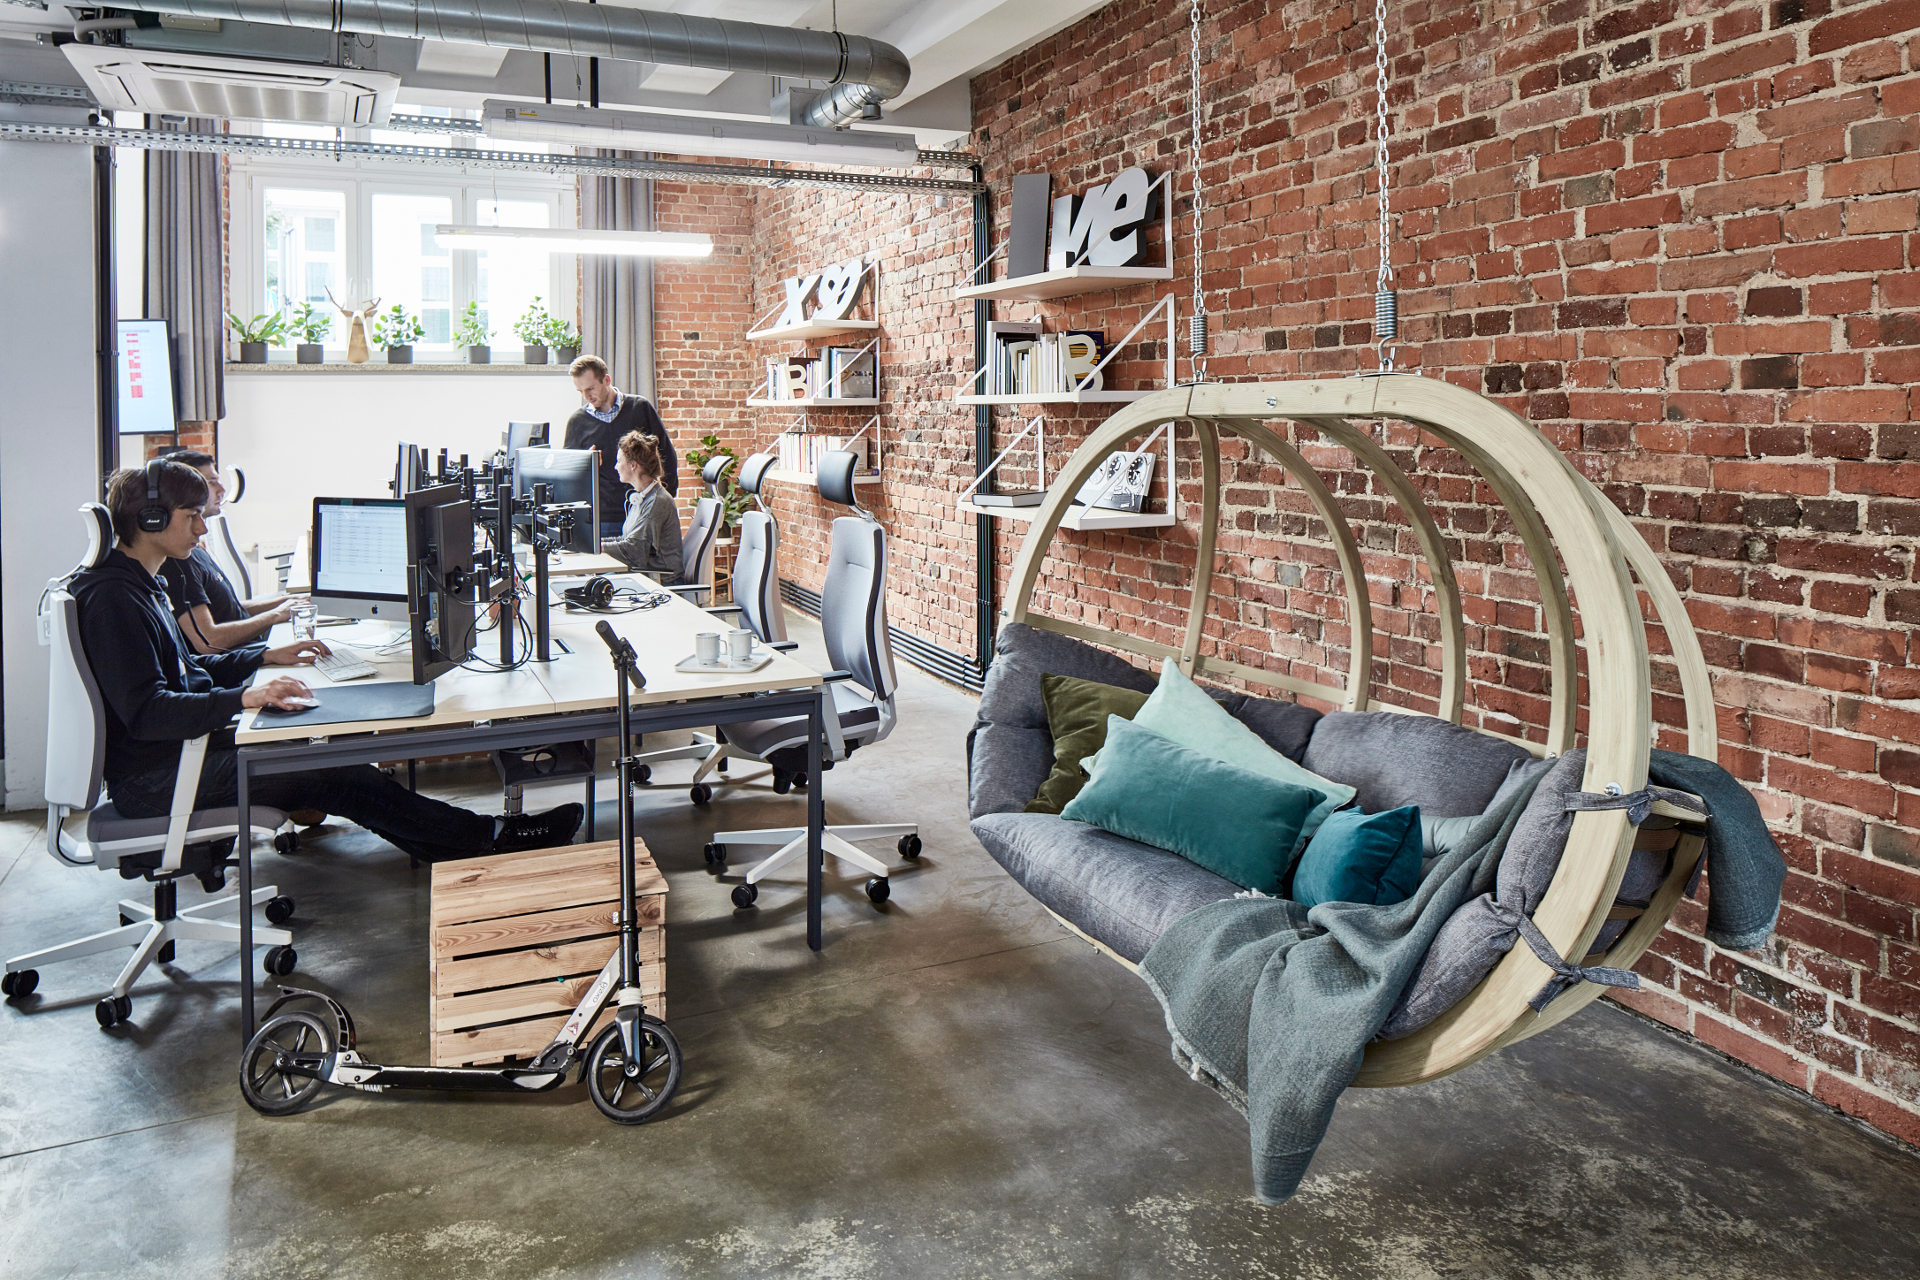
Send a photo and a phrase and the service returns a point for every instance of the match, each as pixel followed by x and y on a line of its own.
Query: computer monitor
pixel 359 550
pixel 571 476
pixel 440 610
pixel 409 469
pixel 526 435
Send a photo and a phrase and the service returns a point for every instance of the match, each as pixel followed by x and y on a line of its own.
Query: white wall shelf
pixel 1062 283
pixel 1079 518
pixel 1059 397
pixel 812 329
pixel 823 402
pixel 807 477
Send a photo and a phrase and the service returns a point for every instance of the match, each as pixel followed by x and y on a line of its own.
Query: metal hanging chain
pixel 1386 309
pixel 1197 322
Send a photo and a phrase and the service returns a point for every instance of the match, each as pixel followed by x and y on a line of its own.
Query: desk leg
pixel 816 816
pixel 244 846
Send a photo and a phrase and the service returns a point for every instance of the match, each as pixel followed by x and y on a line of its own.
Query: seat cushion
pixel 1117 891
pixel 1393 759
pixel 859 720
pixel 106 825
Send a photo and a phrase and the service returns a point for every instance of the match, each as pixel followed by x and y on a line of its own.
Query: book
pixel 1010 498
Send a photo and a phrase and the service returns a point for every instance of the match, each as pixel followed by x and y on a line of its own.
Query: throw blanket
pixel 1272 1004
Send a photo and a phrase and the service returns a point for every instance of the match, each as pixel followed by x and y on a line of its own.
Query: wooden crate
pixel 517 938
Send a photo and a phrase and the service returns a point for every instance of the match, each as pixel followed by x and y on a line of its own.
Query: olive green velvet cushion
pixel 1077 712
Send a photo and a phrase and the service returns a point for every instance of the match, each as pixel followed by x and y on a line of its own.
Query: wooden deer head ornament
pixel 357 318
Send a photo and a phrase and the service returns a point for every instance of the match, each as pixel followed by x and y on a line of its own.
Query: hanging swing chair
pixel 1581 548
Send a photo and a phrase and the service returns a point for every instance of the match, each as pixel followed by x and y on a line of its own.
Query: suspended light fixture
pixel 650 244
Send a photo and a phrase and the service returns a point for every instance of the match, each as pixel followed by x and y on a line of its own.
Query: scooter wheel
pixel 279 961
pixel 744 895
pixel 267 1080
pixel 633 1093
pixel 279 910
pixel 700 793
pixel 909 846
pixel 112 1010
pixel 19 983
pixel 878 890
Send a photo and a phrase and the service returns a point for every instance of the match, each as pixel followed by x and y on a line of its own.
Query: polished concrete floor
pixel 952 1087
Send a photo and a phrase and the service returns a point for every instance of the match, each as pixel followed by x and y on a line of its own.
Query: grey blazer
pixel 650 539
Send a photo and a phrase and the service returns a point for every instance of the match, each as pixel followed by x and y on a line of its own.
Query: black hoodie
pixel 158 692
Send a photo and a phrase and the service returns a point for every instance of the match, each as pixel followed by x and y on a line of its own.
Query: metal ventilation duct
pixel 861 71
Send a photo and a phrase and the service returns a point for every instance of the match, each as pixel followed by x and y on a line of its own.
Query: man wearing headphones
pixel 159 693
pixel 212 618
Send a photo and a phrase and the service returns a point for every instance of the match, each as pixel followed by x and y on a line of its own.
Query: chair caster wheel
pixel 20 982
pixel 745 894
pixel 287 842
pixel 782 783
pixel 716 856
pixel 279 910
pixel 878 891
pixel 799 782
pixel 279 961
pixel 700 793
pixel 909 846
pixel 112 1010
pixel 643 775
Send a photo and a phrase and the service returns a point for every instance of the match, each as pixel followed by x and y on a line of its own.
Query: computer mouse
pixel 302 702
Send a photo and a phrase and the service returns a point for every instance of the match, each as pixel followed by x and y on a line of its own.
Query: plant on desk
pixel 473 335
pixel 563 339
pixel 532 328
pixel 254 335
pixel 397 332
pixel 311 327
pixel 735 499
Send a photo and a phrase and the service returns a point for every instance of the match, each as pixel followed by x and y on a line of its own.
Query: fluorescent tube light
pixel 694 135
pixel 652 244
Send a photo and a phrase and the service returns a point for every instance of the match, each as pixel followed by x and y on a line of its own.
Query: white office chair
pixel 696 548
pixel 853 616
pixel 160 849
pixel 226 557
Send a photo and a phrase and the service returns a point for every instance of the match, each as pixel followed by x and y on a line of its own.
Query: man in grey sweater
pixel 650 536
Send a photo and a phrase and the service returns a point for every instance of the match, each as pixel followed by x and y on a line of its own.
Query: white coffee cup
pixel 706 648
pixel 740 644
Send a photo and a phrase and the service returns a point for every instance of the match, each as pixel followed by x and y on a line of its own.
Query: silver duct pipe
pixel 862 71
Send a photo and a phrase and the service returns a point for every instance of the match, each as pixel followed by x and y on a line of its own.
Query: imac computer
pixel 526 435
pixel 440 609
pixel 571 476
pixel 360 557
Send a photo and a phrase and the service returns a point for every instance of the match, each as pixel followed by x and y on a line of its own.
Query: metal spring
pixel 1386 316
pixel 1196 335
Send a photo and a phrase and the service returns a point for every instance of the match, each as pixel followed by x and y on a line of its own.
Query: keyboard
pixel 337 666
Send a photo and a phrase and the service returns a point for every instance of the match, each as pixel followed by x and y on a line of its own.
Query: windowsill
pixel 381 366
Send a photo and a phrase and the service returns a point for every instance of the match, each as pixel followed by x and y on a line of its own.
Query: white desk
pixel 581 564
pixel 572 697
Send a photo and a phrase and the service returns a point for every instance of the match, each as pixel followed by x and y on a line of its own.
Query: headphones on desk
pixel 597 594
pixel 154 516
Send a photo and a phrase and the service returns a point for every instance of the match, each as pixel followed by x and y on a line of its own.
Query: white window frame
pixel 252 177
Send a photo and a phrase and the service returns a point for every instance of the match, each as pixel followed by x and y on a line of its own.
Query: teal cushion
pixel 1182 712
pixel 1236 823
pixel 1361 857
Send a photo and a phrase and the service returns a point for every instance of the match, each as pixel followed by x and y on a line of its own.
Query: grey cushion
pixel 106 823
pixel 1393 759
pixel 1284 726
pixel 859 721
pixel 1115 890
pixel 1519 774
pixel 1540 837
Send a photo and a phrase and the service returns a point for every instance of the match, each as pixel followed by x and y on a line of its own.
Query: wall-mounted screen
pixel 143 378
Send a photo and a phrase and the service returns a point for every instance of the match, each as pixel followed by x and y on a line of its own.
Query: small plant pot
pixel 400 355
pixel 481 354
pixel 310 353
pixel 253 353
pixel 536 355
pixel 565 355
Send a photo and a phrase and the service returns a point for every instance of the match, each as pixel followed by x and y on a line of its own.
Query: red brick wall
pixel 1680 238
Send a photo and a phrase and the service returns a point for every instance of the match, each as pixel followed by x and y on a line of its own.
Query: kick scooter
pixel 632 1068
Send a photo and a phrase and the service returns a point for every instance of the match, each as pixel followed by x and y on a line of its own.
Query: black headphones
pixel 155 516
pixel 597 594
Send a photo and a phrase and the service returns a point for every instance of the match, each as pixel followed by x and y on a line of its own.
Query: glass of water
pixel 302 617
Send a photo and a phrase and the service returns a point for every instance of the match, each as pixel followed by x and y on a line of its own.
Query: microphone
pixel 623 651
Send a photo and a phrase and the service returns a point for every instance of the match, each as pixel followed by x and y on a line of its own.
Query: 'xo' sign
pixel 834 292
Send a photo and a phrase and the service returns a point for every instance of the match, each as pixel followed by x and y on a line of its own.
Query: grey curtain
pixel 184 284
pixel 616 294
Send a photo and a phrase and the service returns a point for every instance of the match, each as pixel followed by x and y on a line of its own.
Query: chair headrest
pixel 834 477
pixel 753 472
pixel 100 539
pixel 716 467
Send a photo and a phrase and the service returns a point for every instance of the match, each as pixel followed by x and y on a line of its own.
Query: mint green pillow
pixel 1361 857
pixel 1236 823
pixel 1182 712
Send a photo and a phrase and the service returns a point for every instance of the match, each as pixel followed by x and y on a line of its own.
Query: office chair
pixel 853 616
pixel 186 842
pixel 226 556
pixel 696 548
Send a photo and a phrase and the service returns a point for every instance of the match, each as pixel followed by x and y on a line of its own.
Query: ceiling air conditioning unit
pixel 693 135
pixel 171 82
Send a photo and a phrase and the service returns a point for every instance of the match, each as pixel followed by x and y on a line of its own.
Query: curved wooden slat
pixel 1208 528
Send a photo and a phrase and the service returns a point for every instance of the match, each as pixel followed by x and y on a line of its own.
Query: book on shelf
pixel 1022 360
pixel 840 373
pixel 800 451
pixel 1010 498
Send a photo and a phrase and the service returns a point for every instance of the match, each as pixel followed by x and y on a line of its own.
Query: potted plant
pixel 564 341
pixel 532 328
pixel 311 328
pixel 255 334
pixel 397 332
pixel 472 334
pixel 734 500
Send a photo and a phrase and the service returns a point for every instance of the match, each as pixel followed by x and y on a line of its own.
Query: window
pixel 364 228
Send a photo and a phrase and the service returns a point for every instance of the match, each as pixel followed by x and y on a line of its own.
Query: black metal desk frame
pixel 297 755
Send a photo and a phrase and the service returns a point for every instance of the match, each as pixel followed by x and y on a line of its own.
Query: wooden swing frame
pixel 1552 506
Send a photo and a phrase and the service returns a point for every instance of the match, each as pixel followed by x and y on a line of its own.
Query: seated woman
pixel 649 541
